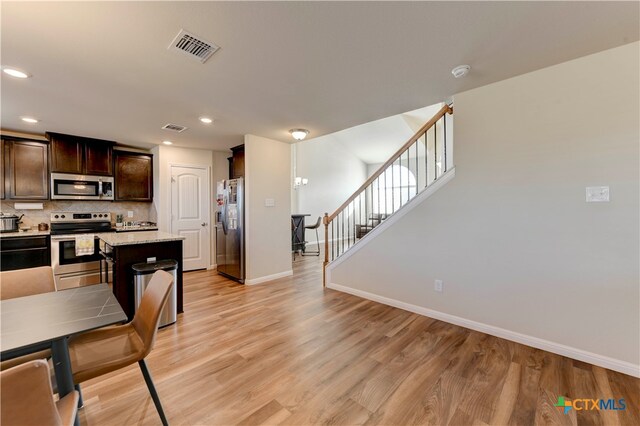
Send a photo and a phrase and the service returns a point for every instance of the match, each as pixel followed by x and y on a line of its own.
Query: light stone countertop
pixel 141 237
pixel 28 233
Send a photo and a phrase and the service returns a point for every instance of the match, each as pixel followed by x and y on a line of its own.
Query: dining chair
pixel 26 282
pixel 21 283
pixel 26 398
pixel 107 349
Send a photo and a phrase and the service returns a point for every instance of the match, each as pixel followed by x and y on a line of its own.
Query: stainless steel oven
pixel 81 187
pixel 69 269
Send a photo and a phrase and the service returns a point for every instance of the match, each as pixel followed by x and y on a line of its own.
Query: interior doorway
pixel 190 213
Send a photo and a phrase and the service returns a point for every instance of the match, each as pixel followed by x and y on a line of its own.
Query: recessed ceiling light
pixel 29 120
pixel 206 120
pixel 299 134
pixel 167 142
pixel 14 72
pixel 460 71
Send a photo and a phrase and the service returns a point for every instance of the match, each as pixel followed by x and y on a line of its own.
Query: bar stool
pixel 314 226
pixel 294 231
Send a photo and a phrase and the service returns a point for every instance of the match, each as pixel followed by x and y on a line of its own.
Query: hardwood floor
pixel 289 352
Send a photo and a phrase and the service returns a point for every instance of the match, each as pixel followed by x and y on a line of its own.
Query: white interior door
pixel 190 215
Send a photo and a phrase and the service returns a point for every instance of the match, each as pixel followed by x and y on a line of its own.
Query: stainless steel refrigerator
pixel 230 229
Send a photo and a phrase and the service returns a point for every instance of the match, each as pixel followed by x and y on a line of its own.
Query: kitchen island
pixel 123 250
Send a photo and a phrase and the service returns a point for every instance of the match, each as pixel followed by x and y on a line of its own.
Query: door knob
pixel 204 224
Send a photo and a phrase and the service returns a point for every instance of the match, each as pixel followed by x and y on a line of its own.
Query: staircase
pixel 416 166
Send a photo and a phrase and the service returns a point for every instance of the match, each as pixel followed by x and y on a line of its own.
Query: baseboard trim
pixel 212 267
pixel 535 342
pixel 266 278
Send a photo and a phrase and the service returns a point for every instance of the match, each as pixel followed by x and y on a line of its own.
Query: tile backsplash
pixel 141 211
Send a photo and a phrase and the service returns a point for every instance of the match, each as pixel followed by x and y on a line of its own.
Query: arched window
pixel 392 189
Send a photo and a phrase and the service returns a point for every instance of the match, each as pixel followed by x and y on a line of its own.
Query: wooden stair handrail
pixel 444 110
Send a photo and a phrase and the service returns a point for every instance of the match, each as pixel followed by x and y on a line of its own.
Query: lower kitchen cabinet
pixel 25 252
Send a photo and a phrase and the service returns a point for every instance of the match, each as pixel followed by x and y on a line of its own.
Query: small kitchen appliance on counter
pixel 9 222
pixel 136 226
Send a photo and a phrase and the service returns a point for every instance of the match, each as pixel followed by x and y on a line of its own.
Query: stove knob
pixel 99 215
pixel 94 215
pixel 62 216
pixel 56 216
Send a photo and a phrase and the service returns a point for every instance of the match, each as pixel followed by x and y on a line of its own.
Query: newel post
pixel 325 220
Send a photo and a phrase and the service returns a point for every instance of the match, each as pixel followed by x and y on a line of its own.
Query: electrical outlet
pixel 130 213
pixel 438 286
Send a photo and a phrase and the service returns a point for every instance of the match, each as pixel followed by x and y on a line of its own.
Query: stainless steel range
pixel 72 269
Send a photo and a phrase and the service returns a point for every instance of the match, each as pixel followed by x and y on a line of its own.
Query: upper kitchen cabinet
pixel 98 159
pixel 26 170
pixel 133 176
pixel 236 169
pixel 1 169
pixel 79 155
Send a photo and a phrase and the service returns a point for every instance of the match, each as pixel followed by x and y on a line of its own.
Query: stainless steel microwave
pixel 81 187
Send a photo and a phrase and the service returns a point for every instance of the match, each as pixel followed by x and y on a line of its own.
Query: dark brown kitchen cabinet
pixel 66 154
pixel 98 159
pixel 25 252
pixel 80 155
pixel 1 169
pixel 236 169
pixel 133 176
pixel 26 170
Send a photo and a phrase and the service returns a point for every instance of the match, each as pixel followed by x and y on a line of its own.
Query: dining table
pixel 48 320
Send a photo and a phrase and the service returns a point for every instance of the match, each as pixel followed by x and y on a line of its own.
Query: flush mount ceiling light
pixel 15 72
pixel 167 142
pixel 460 71
pixel 299 134
pixel 206 120
pixel 29 120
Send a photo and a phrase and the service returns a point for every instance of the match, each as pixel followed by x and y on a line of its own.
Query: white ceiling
pixel 375 142
pixel 102 69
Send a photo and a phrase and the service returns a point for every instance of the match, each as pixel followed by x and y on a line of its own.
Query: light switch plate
pixel 597 194
pixel 269 202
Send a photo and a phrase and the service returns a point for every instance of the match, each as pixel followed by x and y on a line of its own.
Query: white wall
pixel 268 229
pixel 511 235
pixel 334 174
pixel 163 156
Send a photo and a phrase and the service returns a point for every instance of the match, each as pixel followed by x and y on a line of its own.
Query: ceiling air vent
pixel 174 128
pixel 193 46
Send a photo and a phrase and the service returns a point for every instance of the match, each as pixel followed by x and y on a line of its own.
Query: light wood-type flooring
pixel 289 352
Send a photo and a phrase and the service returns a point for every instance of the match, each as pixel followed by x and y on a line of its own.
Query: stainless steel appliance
pixel 9 222
pixel 69 269
pixel 136 226
pixel 81 187
pixel 142 273
pixel 230 249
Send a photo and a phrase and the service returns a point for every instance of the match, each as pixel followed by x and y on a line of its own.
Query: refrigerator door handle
pixel 223 220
